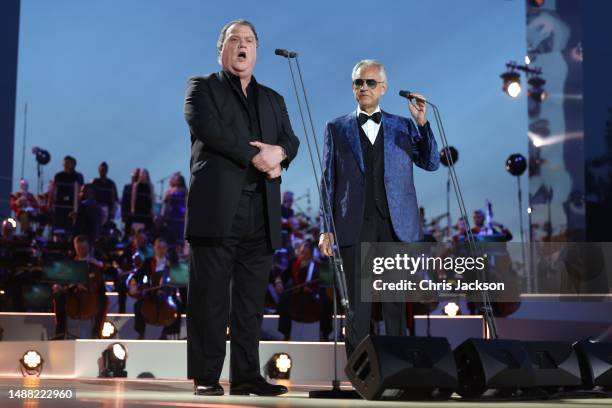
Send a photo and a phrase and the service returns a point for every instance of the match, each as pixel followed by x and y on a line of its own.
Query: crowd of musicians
pixel 131 244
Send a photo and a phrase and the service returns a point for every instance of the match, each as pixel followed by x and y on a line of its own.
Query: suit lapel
pixel 352 134
pixel 266 116
pixel 389 124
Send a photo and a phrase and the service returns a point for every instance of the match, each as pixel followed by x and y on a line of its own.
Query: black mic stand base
pixel 335 393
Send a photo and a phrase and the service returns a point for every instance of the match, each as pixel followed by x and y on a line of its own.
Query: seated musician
pixel 88 217
pixel 94 287
pixel 301 300
pixel 139 244
pixel 25 206
pixel 153 274
pixel 479 228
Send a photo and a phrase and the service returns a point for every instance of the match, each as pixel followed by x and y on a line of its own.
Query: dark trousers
pixel 236 266
pixel 374 229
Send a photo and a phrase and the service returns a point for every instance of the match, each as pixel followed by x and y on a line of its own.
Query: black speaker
pixel 492 365
pixel 595 361
pixel 555 365
pixel 398 367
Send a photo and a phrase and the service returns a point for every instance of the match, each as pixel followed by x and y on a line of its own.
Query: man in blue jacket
pixel 368 159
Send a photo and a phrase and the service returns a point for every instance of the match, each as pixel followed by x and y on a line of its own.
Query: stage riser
pixel 164 359
pixel 28 327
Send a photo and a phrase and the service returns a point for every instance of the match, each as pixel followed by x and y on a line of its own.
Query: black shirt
pixel 254 178
pixel 106 192
pixel 64 187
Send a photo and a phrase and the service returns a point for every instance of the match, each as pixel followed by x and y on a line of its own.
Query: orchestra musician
pixel 90 294
pixel 25 206
pixel 150 280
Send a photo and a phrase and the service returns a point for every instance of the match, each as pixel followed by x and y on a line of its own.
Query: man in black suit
pixel 241 137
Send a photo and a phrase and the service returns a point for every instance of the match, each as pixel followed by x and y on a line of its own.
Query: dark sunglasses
pixel 371 83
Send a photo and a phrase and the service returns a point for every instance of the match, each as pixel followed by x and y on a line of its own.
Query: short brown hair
pixel 227 26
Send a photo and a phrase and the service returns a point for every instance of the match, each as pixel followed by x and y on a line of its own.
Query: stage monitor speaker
pixel 555 365
pixel 595 359
pixel 492 365
pixel 399 367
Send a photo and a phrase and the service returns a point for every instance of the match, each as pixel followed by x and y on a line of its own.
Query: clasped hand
pixel 268 159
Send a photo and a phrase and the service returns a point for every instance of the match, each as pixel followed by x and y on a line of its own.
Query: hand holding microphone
pixel 418 109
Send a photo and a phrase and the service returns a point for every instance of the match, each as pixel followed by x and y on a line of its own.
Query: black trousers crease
pixel 227 284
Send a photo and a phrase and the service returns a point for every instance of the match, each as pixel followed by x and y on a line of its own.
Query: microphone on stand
pixel 328 220
pixel 471 240
pixel 285 53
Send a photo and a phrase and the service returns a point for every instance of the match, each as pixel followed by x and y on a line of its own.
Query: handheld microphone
pixel 284 53
pixel 409 95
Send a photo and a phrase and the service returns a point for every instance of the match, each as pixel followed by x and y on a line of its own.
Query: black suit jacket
pixel 221 154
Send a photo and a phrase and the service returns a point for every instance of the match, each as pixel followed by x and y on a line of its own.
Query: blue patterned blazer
pixel 405 144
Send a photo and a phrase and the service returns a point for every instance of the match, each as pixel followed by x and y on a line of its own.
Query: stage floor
pixel 161 393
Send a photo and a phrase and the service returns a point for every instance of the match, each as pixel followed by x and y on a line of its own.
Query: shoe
pixel 258 386
pixel 202 388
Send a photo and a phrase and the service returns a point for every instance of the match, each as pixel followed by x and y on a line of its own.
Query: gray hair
pixel 369 63
pixel 227 26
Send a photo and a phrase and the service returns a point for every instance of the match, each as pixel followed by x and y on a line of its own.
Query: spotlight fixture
pixel 512 80
pixel 516 164
pixel 512 83
pixel 109 330
pixel 31 363
pixel 278 366
pixel 536 92
pixel 113 361
pixel 10 221
pixel 43 157
pixel 449 156
pixel 451 309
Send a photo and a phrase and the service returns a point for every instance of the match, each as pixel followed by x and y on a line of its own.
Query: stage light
pixel 536 92
pixel 113 361
pixel 512 83
pixel 109 330
pixel 31 363
pixel 43 157
pixel 527 60
pixel 451 309
pixel 528 210
pixel 448 156
pixel 278 366
pixel 513 89
pixel 516 164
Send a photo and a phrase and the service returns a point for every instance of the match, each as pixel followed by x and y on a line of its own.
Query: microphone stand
pixel 472 243
pixel 329 225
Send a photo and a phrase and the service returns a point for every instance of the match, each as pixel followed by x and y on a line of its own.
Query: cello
pixel 158 307
pixel 82 299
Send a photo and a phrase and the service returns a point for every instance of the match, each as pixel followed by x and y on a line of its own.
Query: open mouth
pixel 242 55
